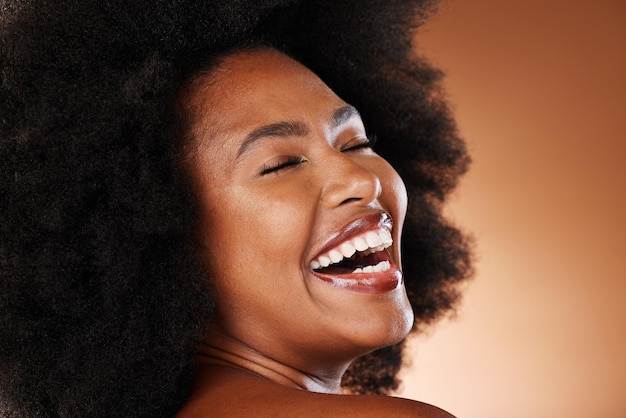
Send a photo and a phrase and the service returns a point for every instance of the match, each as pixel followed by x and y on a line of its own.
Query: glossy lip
pixel 375 282
pixel 381 282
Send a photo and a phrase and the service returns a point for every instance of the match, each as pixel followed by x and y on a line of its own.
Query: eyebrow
pixel 293 128
pixel 279 129
pixel 343 115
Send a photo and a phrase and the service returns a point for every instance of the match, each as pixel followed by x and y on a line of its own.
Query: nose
pixel 347 181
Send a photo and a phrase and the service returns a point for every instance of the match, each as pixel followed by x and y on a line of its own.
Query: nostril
pixel 351 199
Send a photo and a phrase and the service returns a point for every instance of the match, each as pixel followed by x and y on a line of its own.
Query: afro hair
pixel 102 293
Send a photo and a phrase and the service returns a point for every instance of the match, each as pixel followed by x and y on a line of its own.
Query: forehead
pixel 258 87
pixel 263 72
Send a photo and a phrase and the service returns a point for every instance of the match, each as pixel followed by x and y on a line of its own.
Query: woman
pixel 183 188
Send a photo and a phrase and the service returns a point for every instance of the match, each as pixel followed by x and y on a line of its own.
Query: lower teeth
pixel 382 266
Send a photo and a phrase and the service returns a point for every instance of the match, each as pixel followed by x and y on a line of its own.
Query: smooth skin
pixel 280 164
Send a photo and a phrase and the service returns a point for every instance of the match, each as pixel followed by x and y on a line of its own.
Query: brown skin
pixel 282 338
pixel 227 392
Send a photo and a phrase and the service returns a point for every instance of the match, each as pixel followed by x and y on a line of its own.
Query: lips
pixel 356 257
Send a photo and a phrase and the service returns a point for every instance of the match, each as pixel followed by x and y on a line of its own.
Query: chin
pixel 383 324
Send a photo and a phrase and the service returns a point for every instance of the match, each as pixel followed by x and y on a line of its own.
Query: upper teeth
pixel 372 240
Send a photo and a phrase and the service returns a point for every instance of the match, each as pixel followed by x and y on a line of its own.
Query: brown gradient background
pixel 538 88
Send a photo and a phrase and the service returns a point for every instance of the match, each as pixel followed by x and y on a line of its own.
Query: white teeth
pixel 335 256
pixel 360 244
pixel 382 266
pixel 366 243
pixel 373 239
pixel 347 249
pixel 385 235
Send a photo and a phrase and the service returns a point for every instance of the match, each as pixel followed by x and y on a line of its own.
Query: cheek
pixel 247 230
pixel 253 249
pixel 278 214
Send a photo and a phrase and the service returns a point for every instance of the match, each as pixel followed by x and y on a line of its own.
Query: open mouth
pixel 359 258
pixel 365 253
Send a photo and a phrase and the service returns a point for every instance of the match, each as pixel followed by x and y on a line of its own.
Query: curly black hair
pixel 103 296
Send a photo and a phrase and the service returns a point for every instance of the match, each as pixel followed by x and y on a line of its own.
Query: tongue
pixel 347 266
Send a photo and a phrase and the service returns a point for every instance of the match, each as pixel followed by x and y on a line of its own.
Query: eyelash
pixel 289 161
pixel 369 143
pixel 295 160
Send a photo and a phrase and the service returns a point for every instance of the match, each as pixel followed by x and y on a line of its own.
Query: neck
pixel 221 350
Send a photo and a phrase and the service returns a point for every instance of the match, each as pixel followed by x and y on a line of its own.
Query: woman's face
pixel 287 185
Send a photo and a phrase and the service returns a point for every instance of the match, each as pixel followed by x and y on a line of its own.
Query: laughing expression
pixel 300 218
pixel 356 258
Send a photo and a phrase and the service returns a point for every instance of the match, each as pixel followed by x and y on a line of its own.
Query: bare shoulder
pixel 251 396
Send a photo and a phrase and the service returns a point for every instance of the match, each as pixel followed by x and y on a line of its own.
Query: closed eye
pixel 282 164
pixel 359 143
